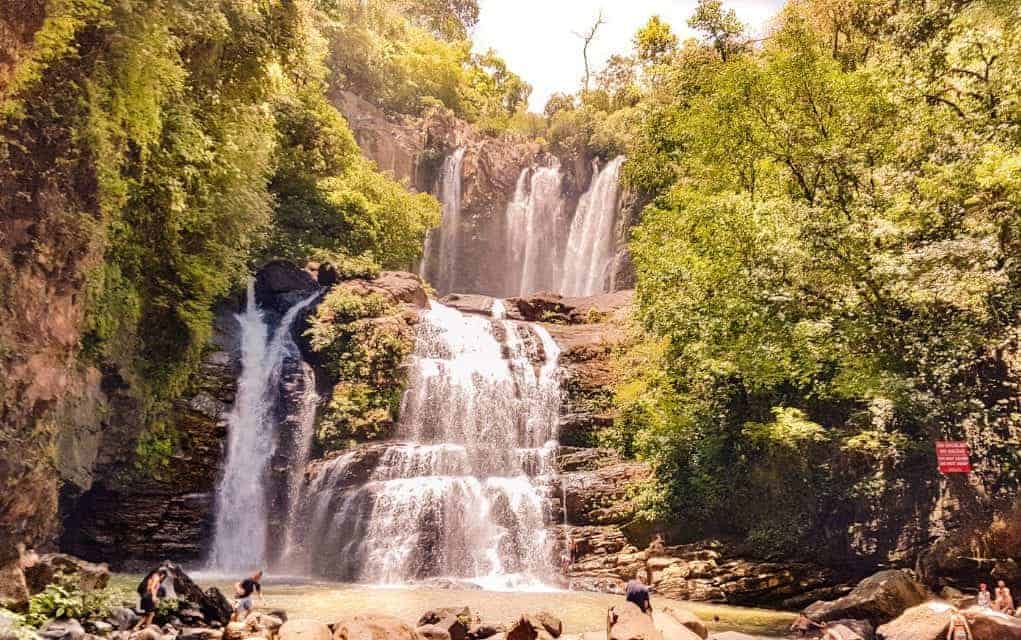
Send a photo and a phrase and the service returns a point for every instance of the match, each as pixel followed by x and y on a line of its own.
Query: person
pixel 1004 601
pixel 638 593
pixel 984 599
pixel 149 596
pixel 657 546
pixel 958 629
pixel 243 596
pixel 804 625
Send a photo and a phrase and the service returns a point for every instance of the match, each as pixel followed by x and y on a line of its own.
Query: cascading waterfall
pixel 242 512
pixel 535 230
pixel 441 254
pixel 462 491
pixel 590 243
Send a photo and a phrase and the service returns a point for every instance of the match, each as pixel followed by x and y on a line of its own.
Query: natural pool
pixel 580 611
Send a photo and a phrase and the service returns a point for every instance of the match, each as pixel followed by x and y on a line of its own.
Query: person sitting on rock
pixel 149 592
pixel 984 599
pixel 243 596
pixel 657 547
pixel 638 593
pixel 958 629
pixel 1004 601
pixel 804 625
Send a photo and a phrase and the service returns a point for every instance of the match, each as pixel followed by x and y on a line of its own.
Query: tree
pixel 722 26
pixel 655 41
pixel 587 37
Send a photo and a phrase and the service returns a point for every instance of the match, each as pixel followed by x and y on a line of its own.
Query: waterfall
pixel 462 490
pixel 242 510
pixel 590 242
pixel 535 230
pixel 441 254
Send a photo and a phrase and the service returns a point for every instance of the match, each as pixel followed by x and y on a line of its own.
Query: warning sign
pixel 952 457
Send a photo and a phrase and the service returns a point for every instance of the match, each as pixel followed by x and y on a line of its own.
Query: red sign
pixel 952 457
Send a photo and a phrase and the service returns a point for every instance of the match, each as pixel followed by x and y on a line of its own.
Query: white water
pixel 240 536
pixel 590 243
pixel 304 423
pixel 440 259
pixel 462 494
pixel 536 230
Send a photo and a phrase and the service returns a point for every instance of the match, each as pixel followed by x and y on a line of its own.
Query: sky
pixel 535 37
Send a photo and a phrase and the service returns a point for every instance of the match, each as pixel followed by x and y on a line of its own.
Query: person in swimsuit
pixel 1004 601
pixel 958 629
pixel 243 596
pixel 149 592
pixel 984 599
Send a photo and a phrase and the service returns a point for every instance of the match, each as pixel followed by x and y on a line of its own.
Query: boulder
pixel 235 631
pixel 433 632
pixel 453 625
pixel 279 284
pixel 13 589
pixel 211 603
pixel 863 628
pixel 262 624
pixel 404 287
pixel 927 621
pixel 671 629
pixel 202 633
pixel 842 632
pixel 683 617
pixel 992 625
pixel 524 628
pixel 87 576
pixel 484 630
pixel 304 629
pixel 151 632
pixel 732 635
pixel 433 616
pixel 469 303
pixel 627 622
pixel 373 627
pixel 878 599
pixel 63 630
pixel 550 623
pixel 123 618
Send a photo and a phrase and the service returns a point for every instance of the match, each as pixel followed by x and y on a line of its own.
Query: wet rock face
pixel 279 285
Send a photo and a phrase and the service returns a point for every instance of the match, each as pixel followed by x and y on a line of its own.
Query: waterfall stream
pixel 590 243
pixel 441 255
pixel 462 491
pixel 242 509
pixel 535 230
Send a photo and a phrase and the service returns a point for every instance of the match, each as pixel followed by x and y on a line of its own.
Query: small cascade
pixel 302 430
pixel 242 497
pixel 536 230
pixel 461 493
pixel 590 243
pixel 441 254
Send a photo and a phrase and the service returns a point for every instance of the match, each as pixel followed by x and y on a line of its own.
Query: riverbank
pixel 580 611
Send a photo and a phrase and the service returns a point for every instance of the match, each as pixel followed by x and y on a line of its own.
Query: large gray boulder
pixel 992 625
pixel 878 599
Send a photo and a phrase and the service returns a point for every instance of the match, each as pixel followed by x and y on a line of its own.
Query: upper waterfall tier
pixel 462 492
pixel 542 235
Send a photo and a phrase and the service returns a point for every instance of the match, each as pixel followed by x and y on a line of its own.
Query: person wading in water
pixel 243 596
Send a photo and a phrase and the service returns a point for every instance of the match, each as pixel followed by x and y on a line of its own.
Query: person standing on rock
pixel 149 592
pixel 638 593
pixel 243 596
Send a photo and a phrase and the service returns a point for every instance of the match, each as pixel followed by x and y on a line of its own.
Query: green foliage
pixel 61 600
pixel 825 276
pixel 155 447
pixel 399 55
pixel 362 339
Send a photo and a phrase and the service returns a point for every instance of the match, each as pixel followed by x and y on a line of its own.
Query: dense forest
pixel 828 274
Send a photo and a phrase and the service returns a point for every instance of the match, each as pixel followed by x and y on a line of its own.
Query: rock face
pixel 878 598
